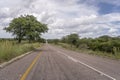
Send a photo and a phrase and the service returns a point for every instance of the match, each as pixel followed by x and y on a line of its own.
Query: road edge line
pixel 102 73
pixel 4 64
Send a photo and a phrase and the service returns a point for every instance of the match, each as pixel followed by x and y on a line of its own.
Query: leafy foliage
pixel 105 44
pixel 26 26
pixel 71 39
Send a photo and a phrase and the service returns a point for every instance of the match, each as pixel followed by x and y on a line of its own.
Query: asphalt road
pixel 55 63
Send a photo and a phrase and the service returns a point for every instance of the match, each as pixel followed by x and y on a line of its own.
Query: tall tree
pixel 26 26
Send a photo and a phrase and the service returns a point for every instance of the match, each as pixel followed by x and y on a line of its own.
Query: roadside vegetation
pixel 27 31
pixel 105 46
pixel 9 49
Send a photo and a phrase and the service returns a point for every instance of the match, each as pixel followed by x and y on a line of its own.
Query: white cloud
pixel 62 16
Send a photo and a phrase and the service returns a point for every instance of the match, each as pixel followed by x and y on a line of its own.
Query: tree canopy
pixel 26 26
pixel 71 39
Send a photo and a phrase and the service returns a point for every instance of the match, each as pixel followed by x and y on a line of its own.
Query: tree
pixel 73 39
pixel 26 26
pixel 16 27
pixel 34 28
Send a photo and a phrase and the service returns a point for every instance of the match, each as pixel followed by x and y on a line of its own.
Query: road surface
pixel 55 63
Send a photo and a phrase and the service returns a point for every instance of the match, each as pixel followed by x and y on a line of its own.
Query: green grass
pixel 10 49
pixel 91 52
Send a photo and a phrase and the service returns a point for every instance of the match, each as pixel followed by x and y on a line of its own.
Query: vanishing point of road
pixel 55 63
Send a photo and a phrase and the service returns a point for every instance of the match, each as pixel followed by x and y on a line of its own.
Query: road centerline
pixel 30 67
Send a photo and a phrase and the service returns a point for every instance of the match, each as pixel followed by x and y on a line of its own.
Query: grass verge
pixel 9 49
pixel 91 52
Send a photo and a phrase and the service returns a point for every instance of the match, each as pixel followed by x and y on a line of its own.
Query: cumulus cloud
pixel 63 16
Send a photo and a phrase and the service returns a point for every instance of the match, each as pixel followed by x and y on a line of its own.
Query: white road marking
pixel 75 60
pixel 72 59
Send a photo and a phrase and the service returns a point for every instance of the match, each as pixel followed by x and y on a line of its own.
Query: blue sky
pixel 88 18
pixel 107 8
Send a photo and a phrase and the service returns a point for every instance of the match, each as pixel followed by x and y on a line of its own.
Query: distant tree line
pixel 103 43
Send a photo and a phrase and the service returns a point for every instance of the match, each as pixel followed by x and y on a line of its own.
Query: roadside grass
pixel 91 52
pixel 10 49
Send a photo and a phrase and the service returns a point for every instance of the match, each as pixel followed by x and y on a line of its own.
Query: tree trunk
pixel 29 41
pixel 19 40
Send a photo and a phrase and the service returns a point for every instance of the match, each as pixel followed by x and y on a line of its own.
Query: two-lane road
pixel 55 63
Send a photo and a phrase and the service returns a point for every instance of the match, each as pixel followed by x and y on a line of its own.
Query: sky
pixel 88 18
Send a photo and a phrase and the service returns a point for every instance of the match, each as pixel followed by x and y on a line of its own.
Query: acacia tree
pixel 34 28
pixel 26 26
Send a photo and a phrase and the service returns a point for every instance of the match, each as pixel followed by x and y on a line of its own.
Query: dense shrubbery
pixel 105 43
